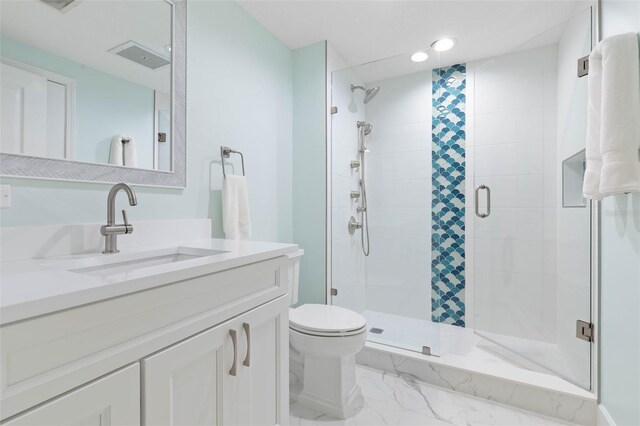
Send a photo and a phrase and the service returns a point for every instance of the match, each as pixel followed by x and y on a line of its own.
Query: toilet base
pixel 329 386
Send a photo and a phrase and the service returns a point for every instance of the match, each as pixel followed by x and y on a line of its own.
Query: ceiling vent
pixel 62 5
pixel 140 55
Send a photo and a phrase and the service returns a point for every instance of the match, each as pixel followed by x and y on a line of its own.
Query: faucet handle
pixel 127 226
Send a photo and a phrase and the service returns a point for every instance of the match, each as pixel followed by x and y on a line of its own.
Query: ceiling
pixel 365 31
pixel 87 32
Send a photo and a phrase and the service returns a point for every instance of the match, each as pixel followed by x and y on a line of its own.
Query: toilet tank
pixel 294 275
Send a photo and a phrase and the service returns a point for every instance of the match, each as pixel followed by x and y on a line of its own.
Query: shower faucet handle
pixel 354 225
pixel 355 195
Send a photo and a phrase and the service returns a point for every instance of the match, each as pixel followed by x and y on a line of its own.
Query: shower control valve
pixel 355 195
pixel 355 164
pixel 354 225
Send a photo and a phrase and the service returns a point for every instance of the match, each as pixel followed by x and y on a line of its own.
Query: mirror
pixel 90 81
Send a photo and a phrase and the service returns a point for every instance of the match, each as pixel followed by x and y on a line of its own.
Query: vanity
pixel 188 333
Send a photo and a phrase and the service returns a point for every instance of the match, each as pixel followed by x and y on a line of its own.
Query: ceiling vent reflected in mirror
pixel 62 5
pixel 140 55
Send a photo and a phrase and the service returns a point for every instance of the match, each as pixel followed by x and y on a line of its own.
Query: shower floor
pixel 455 344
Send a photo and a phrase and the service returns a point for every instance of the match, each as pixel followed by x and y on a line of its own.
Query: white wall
pixel 620 272
pixel 399 196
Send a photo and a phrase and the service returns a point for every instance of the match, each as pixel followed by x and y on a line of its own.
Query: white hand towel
pixel 123 153
pixel 235 208
pixel 115 154
pixel 613 118
pixel 130 153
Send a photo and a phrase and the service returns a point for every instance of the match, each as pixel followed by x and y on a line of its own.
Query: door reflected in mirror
pixel 87 80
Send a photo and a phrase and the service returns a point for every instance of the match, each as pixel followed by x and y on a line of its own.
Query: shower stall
pixel 455 225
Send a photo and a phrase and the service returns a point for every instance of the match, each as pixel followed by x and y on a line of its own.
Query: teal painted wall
pixel 239 93
pixel 310 168
pixel 620 272
pixel 106 105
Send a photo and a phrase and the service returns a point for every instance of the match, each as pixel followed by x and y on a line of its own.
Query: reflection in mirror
pixel 87 80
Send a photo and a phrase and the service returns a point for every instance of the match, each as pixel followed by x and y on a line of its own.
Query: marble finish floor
pixel 402 400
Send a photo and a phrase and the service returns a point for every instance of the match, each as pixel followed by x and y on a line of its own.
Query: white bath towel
pixel 123 153
pixel 613 118
pixel 235 208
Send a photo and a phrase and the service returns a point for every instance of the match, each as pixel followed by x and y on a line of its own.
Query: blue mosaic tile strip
pixel 448 197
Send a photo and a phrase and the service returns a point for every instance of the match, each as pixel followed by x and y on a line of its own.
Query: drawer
pixel 110 400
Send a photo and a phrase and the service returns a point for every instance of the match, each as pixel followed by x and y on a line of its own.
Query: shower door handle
pixel 477 202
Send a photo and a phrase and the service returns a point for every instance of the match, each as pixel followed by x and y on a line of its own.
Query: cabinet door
pixel 189 383
pixel 263 375
pixel 111 400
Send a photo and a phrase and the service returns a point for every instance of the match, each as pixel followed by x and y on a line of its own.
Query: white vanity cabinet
pixel 111 400
pixel 231 374
pixel 162 356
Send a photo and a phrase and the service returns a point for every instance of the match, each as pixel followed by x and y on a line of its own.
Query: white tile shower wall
pixel 346 259
pixel 399 196
pixel 512 149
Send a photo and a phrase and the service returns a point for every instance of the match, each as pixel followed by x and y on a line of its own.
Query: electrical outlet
pixel 5 196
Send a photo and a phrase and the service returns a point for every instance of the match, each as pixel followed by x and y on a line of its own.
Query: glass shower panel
pixel 530 279
pixel 391 286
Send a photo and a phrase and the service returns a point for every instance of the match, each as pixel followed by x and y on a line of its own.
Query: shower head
pixel 368 93
pixel 371 93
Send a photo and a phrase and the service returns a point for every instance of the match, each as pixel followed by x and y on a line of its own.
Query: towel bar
pixel 225 152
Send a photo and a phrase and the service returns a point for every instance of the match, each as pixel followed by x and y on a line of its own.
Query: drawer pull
pixel 247 332
pixel 234 340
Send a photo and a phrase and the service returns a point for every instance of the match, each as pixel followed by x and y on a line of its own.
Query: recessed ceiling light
pixel 419 56
pixel 444 44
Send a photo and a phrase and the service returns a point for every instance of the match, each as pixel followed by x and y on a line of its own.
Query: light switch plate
pixel 5 196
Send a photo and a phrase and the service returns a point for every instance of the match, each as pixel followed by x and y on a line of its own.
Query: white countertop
pixel 41 286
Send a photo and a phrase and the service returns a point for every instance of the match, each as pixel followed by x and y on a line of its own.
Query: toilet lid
pixel 325 320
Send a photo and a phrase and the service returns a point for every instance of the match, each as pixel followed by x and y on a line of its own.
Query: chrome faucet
pixel 111 230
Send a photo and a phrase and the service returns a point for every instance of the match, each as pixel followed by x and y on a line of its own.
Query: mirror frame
pixel 22 166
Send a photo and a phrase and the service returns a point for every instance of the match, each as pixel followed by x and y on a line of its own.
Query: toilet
pixel 324 340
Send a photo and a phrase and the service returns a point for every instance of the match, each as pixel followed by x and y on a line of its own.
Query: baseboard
pixel 603 417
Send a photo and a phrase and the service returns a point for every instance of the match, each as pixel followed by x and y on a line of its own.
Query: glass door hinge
pixel 584 331
pixel 583 66
pixel 334 291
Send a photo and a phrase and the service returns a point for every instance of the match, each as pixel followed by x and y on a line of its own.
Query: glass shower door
pixel 391 287
pixel 530 279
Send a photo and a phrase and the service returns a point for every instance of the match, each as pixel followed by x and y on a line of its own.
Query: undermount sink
pixel 119 265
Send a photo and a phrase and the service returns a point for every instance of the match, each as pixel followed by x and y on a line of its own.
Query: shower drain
pixel 375 330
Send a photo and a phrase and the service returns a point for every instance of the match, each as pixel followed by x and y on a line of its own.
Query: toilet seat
pixel 326 320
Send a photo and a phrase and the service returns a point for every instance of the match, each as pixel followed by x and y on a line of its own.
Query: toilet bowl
pixel 324 340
